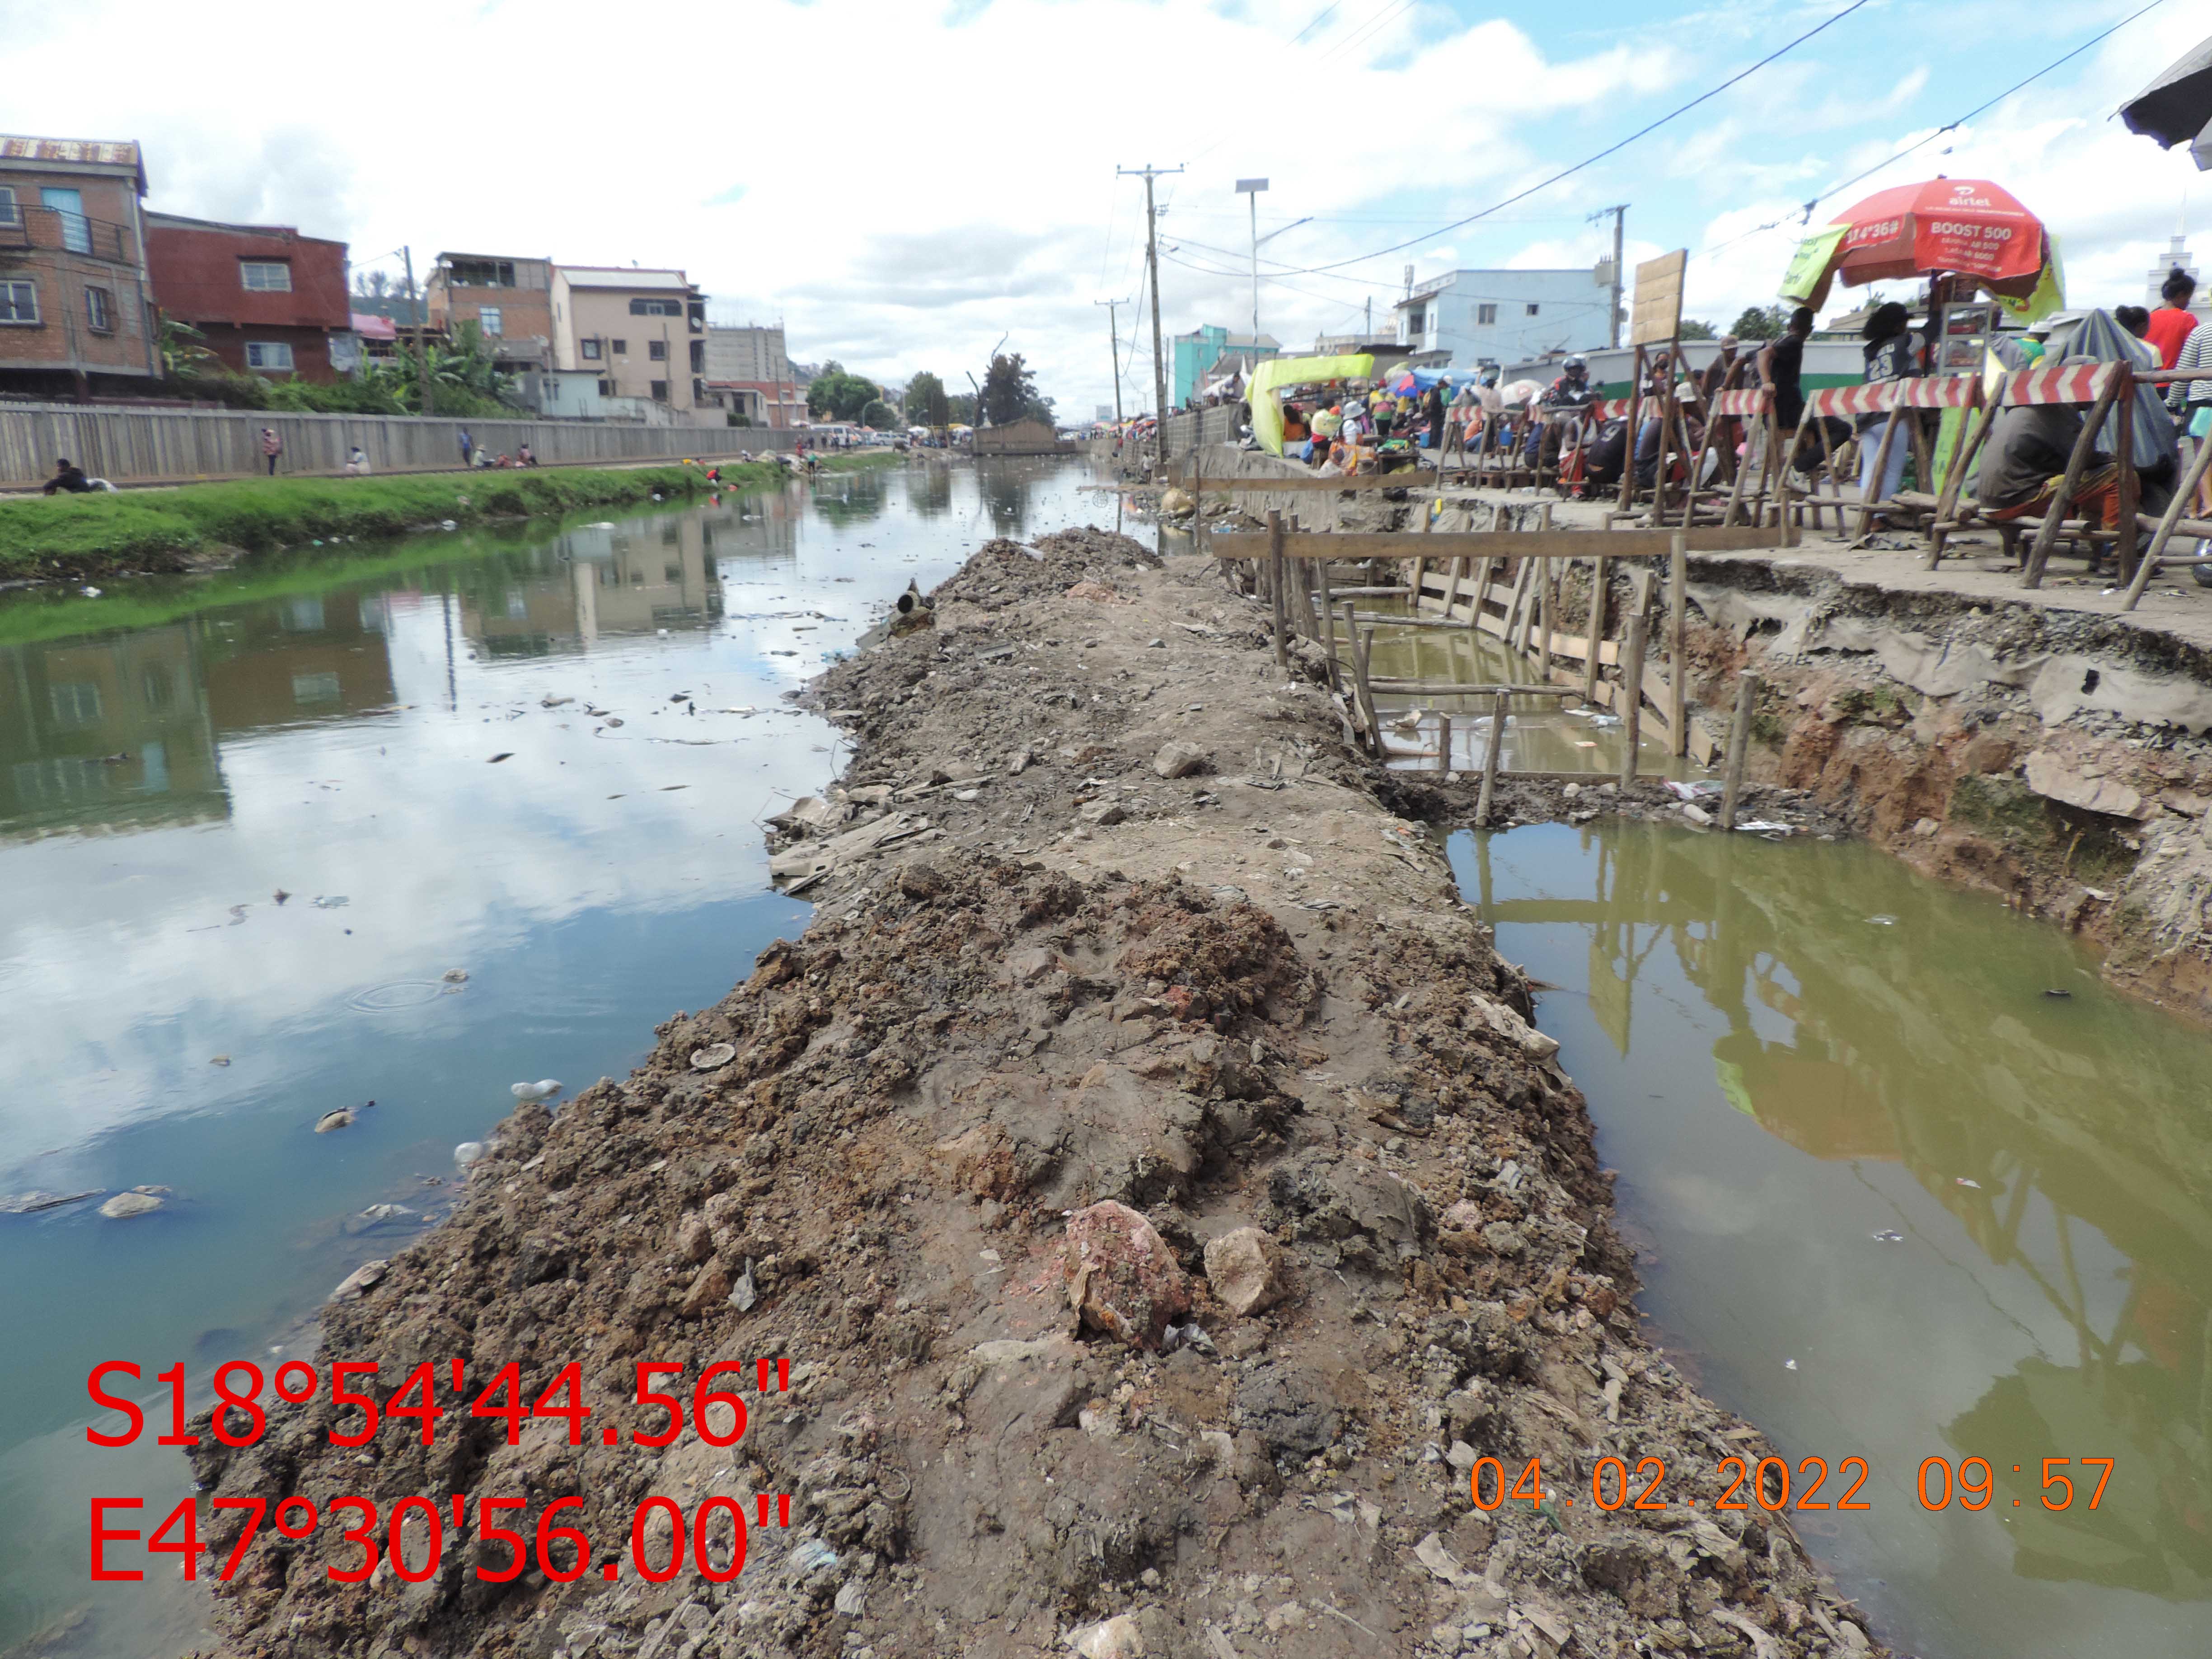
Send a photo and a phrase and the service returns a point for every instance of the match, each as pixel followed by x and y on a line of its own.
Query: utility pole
pixel 1619 212
pixel 421 356
pixel 1114 338
pixel 1250 189
pixel 1148 172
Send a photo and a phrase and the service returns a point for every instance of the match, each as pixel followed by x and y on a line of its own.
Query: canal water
pixel 254 830
pixel 1907 1182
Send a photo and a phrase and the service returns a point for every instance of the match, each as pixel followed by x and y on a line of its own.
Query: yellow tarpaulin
pixel 1272 371
pixel 1807 279
pixel 2050 294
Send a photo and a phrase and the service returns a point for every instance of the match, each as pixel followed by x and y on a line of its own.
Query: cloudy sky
pixel 903 183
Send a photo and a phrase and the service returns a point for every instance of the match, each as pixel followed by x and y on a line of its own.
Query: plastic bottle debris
pixel 330 1122
pixel 1889 1236
pixel 504 754
pixel 544 1089
pixel 1883 922
pixel 811 1555
pixel 1789 1364
pixel 219 1059
pixel 1964 1180
pixel 89 592
pixel 455 976
pixel 467 1152
pixel 333 902
pixel 2057 991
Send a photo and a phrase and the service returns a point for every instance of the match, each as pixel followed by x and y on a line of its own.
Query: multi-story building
pixel 645 331
pixel 77 313
pixel 748 373
pixel 1488 317
pixel 267 300
pixel 511 300
pixel 1198 353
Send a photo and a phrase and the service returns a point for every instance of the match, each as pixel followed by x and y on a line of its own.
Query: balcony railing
pixel 29 230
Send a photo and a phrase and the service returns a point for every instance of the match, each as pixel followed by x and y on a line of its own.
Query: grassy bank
pixel 76 537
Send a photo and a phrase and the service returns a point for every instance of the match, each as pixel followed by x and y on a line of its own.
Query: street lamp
pixel 1250 189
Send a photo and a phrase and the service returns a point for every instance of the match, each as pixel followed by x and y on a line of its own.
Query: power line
pixel 1675 114
pixel 1952 126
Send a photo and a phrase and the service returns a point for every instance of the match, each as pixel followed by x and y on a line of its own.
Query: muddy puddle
pixel 403 824
pixel 1908 1183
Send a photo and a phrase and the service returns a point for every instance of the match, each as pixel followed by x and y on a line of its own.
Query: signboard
pixel 1658 317
pixel 1805 281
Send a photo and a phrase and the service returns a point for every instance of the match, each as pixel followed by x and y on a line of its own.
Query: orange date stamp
pixel 1774 1483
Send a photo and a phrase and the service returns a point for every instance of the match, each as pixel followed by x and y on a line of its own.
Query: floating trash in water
pixel 544 1089
pixel 713 1056
pixel 1889 1236
pixel 504 754
pixel 1964 1182
pixel 455 976
pixel 332 901
pixel 38 1198
pixel 1789 1364
pixel 2057 991
pixel 89 592
pixel 218 1059
pixel 467 1152
pixel 329 1121
pixel 1883 922
pixel 448 524
pixel 124 1206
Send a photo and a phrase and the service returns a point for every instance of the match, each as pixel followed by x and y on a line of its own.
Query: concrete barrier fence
pixel 169 445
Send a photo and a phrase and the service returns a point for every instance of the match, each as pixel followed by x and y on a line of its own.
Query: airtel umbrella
pixel 1966 228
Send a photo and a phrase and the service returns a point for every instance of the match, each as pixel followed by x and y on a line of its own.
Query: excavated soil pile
pixel 1149 1172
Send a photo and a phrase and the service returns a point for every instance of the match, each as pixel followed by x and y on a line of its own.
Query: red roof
pixel 370 326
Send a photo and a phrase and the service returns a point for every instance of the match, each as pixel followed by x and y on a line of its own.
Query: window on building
pixel 19 302
pixel 656 308
pixel 1486 315
pixel 265 276
pixel 659 391
pixel 1533 307
pixel 656 351
pixel 268 354
pixel 589 350
pixel 698 356
pixel 488 319
pixel 9 214
pixel 480 273
pixel 100 310
pixel 621 347
pixel 606 388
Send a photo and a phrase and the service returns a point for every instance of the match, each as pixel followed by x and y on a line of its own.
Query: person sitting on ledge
pixel 68 477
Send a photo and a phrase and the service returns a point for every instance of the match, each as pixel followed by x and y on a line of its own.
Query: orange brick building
pixel 268 299
pixel 76 315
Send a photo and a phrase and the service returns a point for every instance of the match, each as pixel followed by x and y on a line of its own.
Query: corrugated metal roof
pixel 621 277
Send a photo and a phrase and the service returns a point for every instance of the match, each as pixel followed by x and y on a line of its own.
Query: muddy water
pixel 174 753
pixel 1896 1201
pixel 1542 734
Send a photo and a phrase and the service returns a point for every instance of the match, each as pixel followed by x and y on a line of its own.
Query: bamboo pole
pixel 2077 463
pixel 1632 691
pixel 1500 707
pixel 1443 743
pixel 1482 568
pixel 1594 630
pixel 1678 656
pixel 2176 510
pixel 1367 687
pixel 1739 747
pixel 1363 690
pixel 1947 504
pixel 1275 564
pixel 1328 624
pixel 1549 575
pixel 1870 491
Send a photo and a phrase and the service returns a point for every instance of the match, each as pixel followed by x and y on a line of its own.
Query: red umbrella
pixel 1966 227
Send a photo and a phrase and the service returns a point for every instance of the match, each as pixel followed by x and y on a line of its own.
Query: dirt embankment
pixel 2056 757
pixel 1148 1168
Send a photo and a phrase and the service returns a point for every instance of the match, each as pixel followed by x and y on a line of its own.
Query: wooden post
pixel 1746 690
pixel 1635 430
pixel 1197 493
pixel 1443 743
pixel 1451 588
pixel 1871 492
pixel 1482 568
pixel 1500 706
pixel 1275 562
pixel 1946 505
pixel 1548 574
pixel 1632 688
pixel 1594 629
pixel 2176 510
pixel 1513 606
pixel 2077 463
pixel 1328 622
pixel 1365 660
pixel 1363 693
pixel 1678 657
pixel 2130 487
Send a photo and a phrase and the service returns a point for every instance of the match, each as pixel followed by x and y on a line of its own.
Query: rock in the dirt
pixel 852 1599
pixel 1110 1639
pixel 1432 1553
pixel 1537 1045
pixel 1245 1270
pixel 918 878
pixel 361 1280
pixel 1121 1276
pixel 1288 1407
pixel 1178 759
pixel 124 1206
pixel 1505 1239
pixel 2050 776
pixel 1105 812
pixel 714 1056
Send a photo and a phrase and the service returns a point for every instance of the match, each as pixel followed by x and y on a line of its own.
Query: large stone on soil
pixel 1178 759
pixel 2052 777
pixel 1121 1276
pixel 1288 1407
pixel 1245 1270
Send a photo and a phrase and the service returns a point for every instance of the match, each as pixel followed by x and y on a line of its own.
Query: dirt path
pixel 1154 1184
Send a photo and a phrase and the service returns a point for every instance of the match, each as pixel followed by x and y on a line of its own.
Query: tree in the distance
pixel 1760 323
pixel 879 416
pixel 834 395
pixel 926 403
pixel 1694 330
pixel 1010 392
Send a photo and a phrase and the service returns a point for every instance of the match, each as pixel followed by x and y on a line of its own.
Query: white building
pixel 1483 317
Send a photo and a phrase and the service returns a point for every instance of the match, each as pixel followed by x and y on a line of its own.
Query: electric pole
pixel 1148 172
pixel 1250 189
pixel 415 313
pixel 1619 212
pixel 1114 338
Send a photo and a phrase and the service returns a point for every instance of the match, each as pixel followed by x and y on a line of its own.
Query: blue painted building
pixel 1505 316
pixel 1198 351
